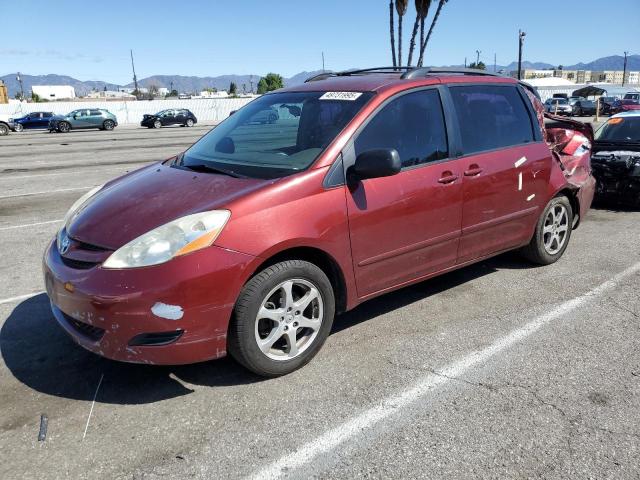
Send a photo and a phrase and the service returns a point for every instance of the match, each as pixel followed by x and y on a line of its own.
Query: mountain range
pixel 196 84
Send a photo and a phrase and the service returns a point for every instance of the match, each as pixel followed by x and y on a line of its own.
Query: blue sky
pixel 91 40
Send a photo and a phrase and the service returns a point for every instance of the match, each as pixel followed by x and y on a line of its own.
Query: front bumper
pixel 188 300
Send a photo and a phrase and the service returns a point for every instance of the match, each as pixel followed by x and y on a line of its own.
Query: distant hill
pixel 614 62
pixel 81 88
pixel 196 84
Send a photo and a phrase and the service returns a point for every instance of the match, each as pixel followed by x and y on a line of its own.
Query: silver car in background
pixel 558 106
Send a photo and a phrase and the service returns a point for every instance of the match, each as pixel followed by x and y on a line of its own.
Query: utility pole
pixel 624 72
pixel 322 61
pixel 478 52
pixel 495 63
pixel 251 82
pixel 171 87
pixel 135 79
pixel 521 36
pixel 19 78
pixel 465 62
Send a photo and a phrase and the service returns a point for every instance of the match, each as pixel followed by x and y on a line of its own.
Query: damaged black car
pixel 616 159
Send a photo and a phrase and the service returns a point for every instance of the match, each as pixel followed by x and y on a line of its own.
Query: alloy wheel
pixel 289 319
pixel 556 228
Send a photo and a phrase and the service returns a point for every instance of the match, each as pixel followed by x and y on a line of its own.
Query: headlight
pixel 179 237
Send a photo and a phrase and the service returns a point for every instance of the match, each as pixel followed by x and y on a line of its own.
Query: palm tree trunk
pixel 433 24
pixel 420 55
pixel 392 33
pixel 412 45
pixel 400 41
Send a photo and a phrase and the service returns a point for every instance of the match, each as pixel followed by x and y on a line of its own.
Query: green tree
pixel 478 66
pixel 272 81
pixel 233 88
pixel 172 93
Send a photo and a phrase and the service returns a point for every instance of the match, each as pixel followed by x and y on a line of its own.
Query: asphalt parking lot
pixel 498 370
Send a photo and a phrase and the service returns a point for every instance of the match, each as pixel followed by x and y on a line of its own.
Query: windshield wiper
pixel 203 167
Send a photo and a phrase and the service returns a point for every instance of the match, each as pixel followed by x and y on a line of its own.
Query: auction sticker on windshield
pixel 348 96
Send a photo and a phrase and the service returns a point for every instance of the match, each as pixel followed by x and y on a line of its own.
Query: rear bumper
pixel 183 307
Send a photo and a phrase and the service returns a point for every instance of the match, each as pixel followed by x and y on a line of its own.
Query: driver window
pixel 413 124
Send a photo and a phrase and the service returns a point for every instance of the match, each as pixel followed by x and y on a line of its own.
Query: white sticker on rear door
pixel 348 96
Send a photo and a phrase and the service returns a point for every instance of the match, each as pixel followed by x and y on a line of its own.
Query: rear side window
pixel 413 124
pixel 96 113
pixel 491 117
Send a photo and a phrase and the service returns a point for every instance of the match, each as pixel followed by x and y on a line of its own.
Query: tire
pixel 18 127
pixel 260 294
pixel 189 123
pixel 553 222
pixel 157 124
pixel 64 127
pixel 4 130
pixel 108 125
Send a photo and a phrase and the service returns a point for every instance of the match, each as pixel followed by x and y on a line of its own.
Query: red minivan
pixel 253 239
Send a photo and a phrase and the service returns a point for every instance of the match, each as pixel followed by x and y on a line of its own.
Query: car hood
pixel 57 117
pixel 150 197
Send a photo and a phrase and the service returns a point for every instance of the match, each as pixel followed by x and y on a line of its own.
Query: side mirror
pixel 383 162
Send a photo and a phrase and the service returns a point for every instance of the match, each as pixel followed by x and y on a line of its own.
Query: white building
pixel 54 92
pixel 111 94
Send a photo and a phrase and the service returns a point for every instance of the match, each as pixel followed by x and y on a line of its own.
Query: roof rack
pixel 409 72
pixel 357 71
pixel 423 72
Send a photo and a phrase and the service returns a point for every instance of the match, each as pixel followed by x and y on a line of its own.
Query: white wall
pixel 205 110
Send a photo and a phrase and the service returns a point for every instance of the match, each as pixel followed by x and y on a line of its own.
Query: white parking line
pixel 18 298
pixel 36 175
pixel 75 189
pixel 24 225
pixel 358 425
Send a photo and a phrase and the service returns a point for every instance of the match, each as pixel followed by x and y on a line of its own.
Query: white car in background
pixel 6 124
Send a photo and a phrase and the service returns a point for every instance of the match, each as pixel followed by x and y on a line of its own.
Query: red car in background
pixel 253 239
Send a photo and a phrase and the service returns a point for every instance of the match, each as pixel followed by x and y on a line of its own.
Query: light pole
pixel 624 72
pixel 521 36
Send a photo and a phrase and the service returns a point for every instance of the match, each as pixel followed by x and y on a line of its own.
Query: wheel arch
pixel 322 260
pixel 572 195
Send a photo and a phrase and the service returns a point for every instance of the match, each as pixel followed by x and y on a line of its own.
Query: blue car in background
pixel 32 120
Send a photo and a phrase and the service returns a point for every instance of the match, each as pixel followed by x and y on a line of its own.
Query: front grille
pixel 77 264
pixel 84 329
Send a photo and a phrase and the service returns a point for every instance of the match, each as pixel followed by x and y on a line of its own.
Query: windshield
pixel 277 134
pixel 619 129
pixel 560 101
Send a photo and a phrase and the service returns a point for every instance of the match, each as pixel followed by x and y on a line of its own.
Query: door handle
pixel 447 177
pixel 473 170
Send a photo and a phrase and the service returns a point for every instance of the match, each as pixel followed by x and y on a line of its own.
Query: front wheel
pixel 18 127
pixel 4 130
pixel 282 317
pixel 552 234
pixel 64 127
pixel 157 124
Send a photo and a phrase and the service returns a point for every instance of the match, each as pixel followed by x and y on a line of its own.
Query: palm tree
pixel 401 8
pixel 392 33
pixel 422 10
pixel 433 24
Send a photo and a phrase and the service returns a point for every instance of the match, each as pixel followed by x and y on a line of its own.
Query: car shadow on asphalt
pixel 44 358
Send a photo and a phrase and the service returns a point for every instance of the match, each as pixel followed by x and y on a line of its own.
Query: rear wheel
pixel 64 127
pixel 189 122
pixel 4 129
pixel 552 234
pixel 282 317
pixel 108 125
pixel 157 124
